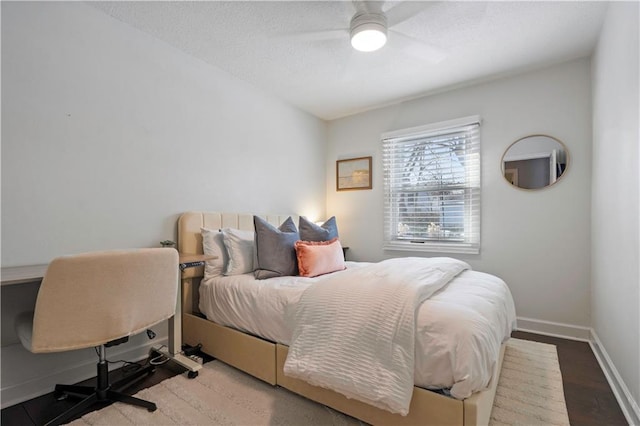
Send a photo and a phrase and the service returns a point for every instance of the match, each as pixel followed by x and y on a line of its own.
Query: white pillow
pixel 212 245
pixel 240 247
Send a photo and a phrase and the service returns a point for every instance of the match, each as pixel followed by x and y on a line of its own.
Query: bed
pixel 243 340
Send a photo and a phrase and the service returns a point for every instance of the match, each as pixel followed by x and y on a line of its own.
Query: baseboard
pixel 626 401
pixel 26 375
pixel 555 329
pixel 628 405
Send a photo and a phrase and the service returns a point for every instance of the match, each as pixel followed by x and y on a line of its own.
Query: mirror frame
pixel 564 148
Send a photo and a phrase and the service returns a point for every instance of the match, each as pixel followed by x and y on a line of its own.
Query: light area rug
pixel 530 387
pixel 529 393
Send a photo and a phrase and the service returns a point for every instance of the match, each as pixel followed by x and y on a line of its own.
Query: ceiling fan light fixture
pixel 368 31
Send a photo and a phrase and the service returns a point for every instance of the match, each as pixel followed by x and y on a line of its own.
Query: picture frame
pixel 353 174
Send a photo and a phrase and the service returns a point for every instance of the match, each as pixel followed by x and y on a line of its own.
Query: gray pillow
pixel 275 251
pixel 309 231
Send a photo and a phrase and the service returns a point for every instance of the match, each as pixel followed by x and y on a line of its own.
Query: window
pixel 432 187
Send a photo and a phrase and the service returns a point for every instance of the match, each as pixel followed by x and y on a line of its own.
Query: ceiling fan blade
pixel 416 47
pixel 347 67
pixel 366 6
pixel 404 10
pixel 316 35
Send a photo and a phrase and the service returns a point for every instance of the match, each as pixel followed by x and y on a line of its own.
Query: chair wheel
pixel 151 410
pixel 192 374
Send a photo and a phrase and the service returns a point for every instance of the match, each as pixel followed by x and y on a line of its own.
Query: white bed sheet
pixel 458 333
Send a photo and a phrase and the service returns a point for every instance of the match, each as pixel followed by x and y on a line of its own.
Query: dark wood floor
pixel 589 398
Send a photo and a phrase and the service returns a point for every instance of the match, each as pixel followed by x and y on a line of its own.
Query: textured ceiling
pixel 300 50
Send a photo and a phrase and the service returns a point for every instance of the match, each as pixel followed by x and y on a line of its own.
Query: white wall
pixel 615 229
pixel 109 134
pixel 538 242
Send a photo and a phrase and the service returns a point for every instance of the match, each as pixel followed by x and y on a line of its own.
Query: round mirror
pixel 535 162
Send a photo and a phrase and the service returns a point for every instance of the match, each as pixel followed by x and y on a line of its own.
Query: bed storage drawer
pixel 247 353
pixel 440 410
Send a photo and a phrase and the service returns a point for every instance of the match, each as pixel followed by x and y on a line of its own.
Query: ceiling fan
pixel 373 25
pixel 370 24
pixel 368 31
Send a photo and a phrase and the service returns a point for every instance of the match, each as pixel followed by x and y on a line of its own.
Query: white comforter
pixel 354 333
pixel 459 329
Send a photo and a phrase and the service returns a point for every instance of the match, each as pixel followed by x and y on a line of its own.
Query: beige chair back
pixel 89 299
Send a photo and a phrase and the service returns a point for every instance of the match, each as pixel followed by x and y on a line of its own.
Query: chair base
pixel 102 393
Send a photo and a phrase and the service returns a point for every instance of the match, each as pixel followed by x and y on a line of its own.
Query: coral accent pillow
pixel 319 257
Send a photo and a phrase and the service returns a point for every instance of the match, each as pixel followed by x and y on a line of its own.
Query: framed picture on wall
pixel 353 173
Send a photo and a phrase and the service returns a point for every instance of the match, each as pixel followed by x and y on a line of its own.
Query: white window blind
pixel 432 187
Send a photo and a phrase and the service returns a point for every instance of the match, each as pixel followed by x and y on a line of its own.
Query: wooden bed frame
pixel 265 359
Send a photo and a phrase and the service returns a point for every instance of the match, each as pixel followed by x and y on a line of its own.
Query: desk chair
pixel 98 300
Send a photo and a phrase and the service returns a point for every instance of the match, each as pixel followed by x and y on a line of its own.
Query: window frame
pixel 471 187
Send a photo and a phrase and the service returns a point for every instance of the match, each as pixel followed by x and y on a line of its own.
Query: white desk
pixel 32 273
pixel 22 274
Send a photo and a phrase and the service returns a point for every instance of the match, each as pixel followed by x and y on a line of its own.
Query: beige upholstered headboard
pixel 190 238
